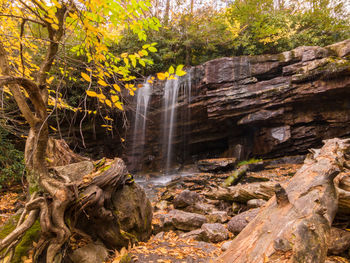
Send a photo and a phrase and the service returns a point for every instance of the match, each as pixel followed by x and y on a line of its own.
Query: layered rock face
pixel 262 106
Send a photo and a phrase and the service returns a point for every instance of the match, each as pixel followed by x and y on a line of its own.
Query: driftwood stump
pixel 295 224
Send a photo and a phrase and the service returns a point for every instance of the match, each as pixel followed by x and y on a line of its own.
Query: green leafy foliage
pixel 245 27
pixel 269 28
pixel 11 162
pixel 189 39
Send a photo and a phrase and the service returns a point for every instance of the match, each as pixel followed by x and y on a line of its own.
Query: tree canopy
pixel 42 44
pixel 198 31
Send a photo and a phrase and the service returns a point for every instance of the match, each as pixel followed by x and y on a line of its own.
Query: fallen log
pixel 265 190
pixel 295 223
pixel 242 193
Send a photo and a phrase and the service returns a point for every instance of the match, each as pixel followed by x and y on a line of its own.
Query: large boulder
pixel 134 211
pixel 122 215
pixel 186 198
pixel 215 165
pixel 91 253
pixel 214 233
pixel 177 219
pixel 187 221
pixel 240 221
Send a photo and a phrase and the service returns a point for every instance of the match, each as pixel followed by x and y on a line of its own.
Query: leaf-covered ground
pixel 163 248
pixel 169 248
pixel 10 202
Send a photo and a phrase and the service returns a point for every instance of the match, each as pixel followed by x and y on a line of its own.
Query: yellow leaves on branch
pixel 161 76
pixel 113 102
pixel 116 87
pixel 91 93
pixel 102 83
pixel 109 103
pixel 96 26
pixel 179 72
pixel 49 81
pixel 86 77
pixel 171 73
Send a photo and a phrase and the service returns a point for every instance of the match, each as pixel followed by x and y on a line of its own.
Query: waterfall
pixel 173 119
pixel 175 90
pixel 139 124
pixel 187 113
pixel 171 90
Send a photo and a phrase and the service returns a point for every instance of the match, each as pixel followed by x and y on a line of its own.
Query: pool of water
pixel 152 183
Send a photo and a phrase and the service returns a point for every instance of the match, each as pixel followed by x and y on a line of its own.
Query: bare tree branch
pixel 25 18
pixel 15 89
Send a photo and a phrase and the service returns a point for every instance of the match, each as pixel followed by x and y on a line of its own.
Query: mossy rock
pixel 134 212
pixel 32 235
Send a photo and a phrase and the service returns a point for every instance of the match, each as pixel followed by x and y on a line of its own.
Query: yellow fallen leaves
pixel 171 248
pixel 100 167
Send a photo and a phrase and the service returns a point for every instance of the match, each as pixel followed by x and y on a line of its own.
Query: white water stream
pixel 140 121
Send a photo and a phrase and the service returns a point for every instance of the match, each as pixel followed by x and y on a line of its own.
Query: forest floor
pixel 170 248
pixel 169 245
pixel 165 247
pixel 10 201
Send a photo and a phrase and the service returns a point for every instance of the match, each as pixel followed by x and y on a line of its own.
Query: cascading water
pixel 175 90
pixel 171 90
pixel 139 131
pixel 174 123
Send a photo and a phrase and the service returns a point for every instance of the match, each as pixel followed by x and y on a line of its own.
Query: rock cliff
pixel 262 106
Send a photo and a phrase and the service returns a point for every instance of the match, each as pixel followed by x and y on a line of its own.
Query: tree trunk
pixel 166 12
pixel 295 224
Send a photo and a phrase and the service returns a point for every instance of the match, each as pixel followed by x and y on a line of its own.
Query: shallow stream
pixel 151 182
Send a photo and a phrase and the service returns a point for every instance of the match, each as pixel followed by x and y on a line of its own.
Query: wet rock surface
pixel 268 106
pixel 215 165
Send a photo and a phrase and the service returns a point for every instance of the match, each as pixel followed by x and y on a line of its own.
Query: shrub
pixel 11 161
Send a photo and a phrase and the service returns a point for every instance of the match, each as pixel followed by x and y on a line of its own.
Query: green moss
pixel 128 236
pixel 105 168
pixel 26 243
pixel 100 163
pixel 250 161
pixel 236 175
pixel 33 189
pixel 126 259
pixel 9 226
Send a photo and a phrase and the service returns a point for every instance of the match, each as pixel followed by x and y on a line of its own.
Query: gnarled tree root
pixel 67 200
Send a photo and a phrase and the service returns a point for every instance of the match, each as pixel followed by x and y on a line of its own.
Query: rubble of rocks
pixel 202 208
